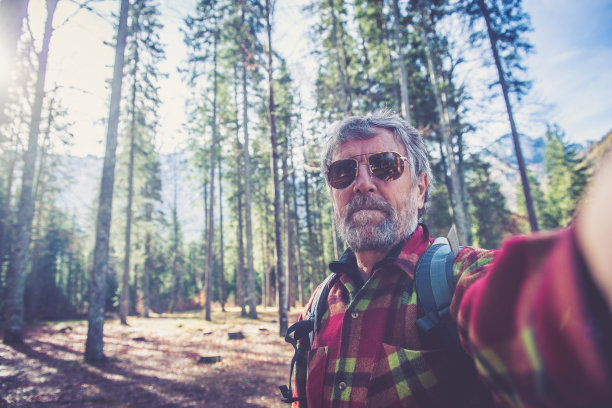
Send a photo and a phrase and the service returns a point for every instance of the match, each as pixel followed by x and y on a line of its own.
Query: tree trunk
pixel 454 190
pixel 344 59
pixel 309 227
pixel 280 273
pixel 39 198
pixel 447 180
pixel 71 289
pixel 402 65
pixel 94 346
pixel 344 92
pixel 239 298
pixel 298 250
pixel 125 281
pixel 533 222
pixel 251 296
pixel 221 244
pixel 366 72
pixel 320 236
pixel 266 288
pixel 296 219
pixel 290 275
pixel 202 277
pixel 211 201
pixel 176 274
pixel 464 191
pixel 5 217
pixel 12 13
pixel 387 41
pixel 268 294
pixel 146 276
pixel 18 264
pixel 138 290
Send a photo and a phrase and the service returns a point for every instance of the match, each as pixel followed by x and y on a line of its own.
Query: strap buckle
pixel 431 319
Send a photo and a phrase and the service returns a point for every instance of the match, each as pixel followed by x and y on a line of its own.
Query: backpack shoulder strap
pixel 319 305
pixel 308 326
pixel 435 286
pixel 313 316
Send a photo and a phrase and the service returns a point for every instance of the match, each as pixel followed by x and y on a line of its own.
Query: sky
pixel 571 70
pixel 572 65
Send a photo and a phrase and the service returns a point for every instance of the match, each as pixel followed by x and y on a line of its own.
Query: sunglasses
pixel 385 166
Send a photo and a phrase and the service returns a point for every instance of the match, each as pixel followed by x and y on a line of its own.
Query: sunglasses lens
pixel 386 166
pixel 341 173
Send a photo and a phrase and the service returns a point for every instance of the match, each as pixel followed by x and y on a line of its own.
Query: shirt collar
pixel 347 264
pixel 404 254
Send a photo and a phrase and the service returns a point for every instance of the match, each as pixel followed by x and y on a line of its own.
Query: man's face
pixel 372 214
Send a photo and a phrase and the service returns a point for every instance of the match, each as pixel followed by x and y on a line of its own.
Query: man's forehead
pixel 381 140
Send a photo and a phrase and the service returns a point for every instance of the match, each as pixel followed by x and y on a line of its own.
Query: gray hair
pixel 364 128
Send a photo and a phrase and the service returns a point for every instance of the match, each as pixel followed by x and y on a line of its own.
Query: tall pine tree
pixel 506 25
pixel 94 345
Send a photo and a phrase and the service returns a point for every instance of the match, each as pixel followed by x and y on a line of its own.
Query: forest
pixel 253 149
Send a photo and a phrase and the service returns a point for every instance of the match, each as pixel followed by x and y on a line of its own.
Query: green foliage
pixel 492 220
pixel 438 217
pixel 56 285
pixel 539 202
pixel 566 177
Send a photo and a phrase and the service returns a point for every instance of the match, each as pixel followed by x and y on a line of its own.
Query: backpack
pixel 435 285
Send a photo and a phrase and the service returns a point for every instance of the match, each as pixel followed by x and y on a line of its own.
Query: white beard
pixel 364 230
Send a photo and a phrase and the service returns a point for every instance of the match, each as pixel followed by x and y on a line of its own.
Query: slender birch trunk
pixel 19 259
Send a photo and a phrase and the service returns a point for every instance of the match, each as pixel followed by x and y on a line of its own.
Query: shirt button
pixel 342 386
pixel 355 315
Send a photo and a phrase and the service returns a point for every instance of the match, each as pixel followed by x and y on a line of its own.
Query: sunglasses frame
pixel 369 155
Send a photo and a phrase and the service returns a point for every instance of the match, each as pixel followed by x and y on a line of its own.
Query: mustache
pixel 367 203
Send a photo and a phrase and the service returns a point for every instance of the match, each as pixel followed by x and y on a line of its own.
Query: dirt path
pixel 151 363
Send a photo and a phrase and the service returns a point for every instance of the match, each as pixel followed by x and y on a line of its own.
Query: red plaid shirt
pixel 528 315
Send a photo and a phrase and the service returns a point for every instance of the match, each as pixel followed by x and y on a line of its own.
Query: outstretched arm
pixel 537 319
pixel 594 229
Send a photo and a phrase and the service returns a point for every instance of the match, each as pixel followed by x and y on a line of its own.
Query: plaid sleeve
pixel 527 320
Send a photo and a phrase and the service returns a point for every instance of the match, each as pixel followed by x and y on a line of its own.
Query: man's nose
pixel 364 183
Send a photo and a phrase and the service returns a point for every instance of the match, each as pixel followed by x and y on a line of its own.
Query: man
pixel 534 317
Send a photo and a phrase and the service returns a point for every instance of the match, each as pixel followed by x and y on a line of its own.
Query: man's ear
pixel 328 190
pixel 421 187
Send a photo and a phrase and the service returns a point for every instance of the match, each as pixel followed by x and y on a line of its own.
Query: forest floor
pixel 153 362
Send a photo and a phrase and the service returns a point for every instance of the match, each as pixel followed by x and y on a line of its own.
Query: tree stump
pixel 235 335
pixel 209 359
